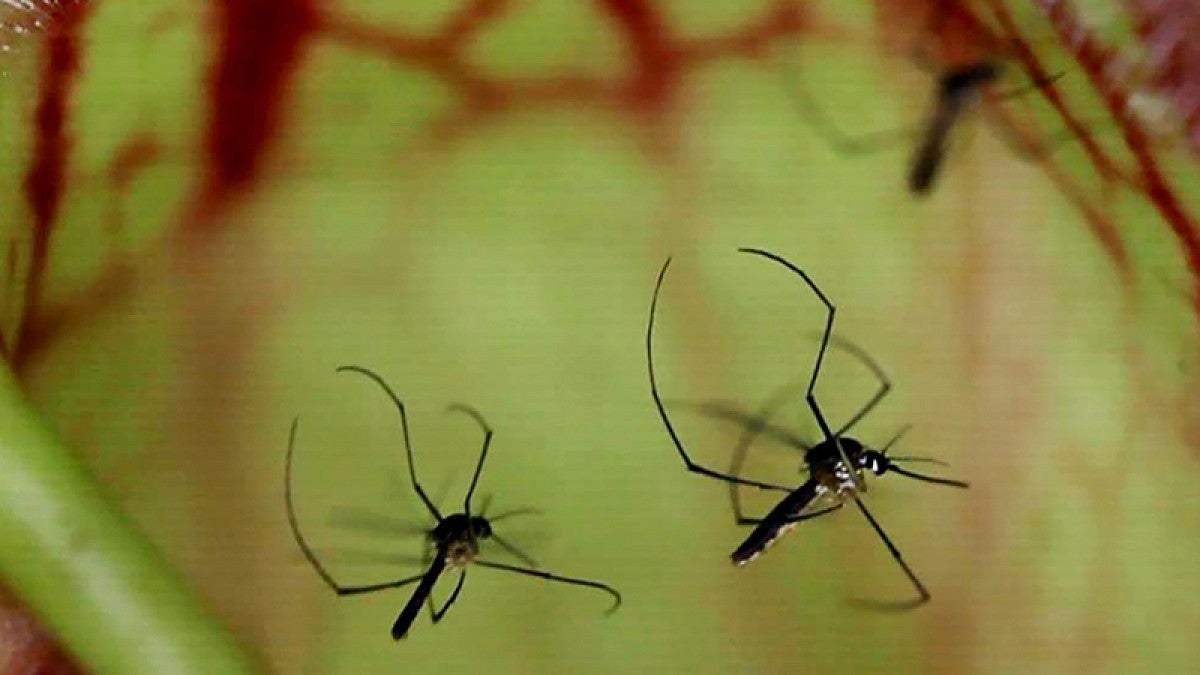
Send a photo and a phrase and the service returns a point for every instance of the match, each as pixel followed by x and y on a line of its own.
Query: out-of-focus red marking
pixel 941 32
pixel 1097 59
pixel 25 647
pixel 752 40
pixel 45 181
pixel 477 14
pixel 1168 30
pixel 1105 164
pixel 258 47
pixel 130 158
pixel 660 62
pixel 655 78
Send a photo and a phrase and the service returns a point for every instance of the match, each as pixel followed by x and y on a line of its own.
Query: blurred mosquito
pixel 959 89
pixel 835 465
pixel 454 538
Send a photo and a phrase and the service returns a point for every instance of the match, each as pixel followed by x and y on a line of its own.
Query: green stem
pixel 77 562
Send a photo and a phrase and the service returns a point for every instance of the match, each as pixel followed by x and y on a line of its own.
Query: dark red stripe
pixel 45 181
pixel 259 45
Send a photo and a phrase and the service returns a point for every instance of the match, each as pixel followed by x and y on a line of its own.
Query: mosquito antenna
pixel 616 595
pixel 487 504
pixel 303 544
pixel 929 460
pixel 412 471
pixel 514 512
pixel 812 383
pixel 514 550
pixel 904 605
pixel 487 441
pixel 895 439
pixel 1036 83
pixel 662 410
pixel 930 479
pixel 521 511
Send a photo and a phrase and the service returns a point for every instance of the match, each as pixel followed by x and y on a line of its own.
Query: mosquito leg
pixel 616 595
pixel 436 616
pixel 904 605
pixel 809 109
pixel 662 410
pixel 307 550
pixel 412 471
pixel 812 383
pixel 885 383
pixel 487 441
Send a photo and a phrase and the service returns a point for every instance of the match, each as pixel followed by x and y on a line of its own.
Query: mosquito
pixel 835 465
pixel 759 423
pixel 455 538
pixel 958 89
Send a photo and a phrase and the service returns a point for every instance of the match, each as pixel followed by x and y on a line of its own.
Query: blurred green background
pixel 502 253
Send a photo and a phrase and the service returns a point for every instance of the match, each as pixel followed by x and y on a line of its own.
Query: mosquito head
pixel 480 527
pixel 967 78
pixel 874 461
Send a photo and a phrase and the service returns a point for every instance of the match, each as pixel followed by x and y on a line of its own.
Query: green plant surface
pixel 67 546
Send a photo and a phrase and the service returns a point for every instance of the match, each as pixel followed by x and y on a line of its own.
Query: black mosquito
pixel 835 465
pixel 958 89
pixel 758 423
pixel 454 539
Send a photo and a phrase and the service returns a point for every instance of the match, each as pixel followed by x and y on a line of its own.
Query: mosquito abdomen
pixel 409 613
pixel 777 523
pixel 932 150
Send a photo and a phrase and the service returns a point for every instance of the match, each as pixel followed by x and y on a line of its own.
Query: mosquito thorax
pixel 826 465
pixel 458 536
pixel 460 527
pixel 825 455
